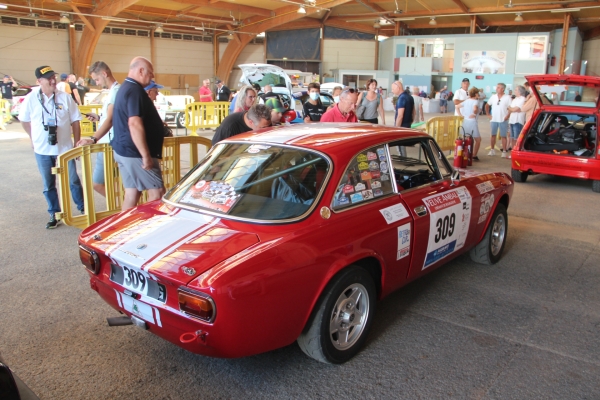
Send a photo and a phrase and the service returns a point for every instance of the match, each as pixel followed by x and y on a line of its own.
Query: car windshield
pixel 567 95
pixel 253 181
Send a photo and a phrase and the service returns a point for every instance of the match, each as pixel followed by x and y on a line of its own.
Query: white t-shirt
pixel 499 107
pixel 517 117
pixel 461 94
pixel 60 107
pixel 467 108
pixel 108 100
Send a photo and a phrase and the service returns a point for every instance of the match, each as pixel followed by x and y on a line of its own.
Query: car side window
pixel 366 178
pixel 442 162
pixel 413 163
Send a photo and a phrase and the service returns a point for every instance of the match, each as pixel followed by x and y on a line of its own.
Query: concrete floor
pixel 525 328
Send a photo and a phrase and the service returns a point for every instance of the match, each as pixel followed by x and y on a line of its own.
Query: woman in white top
pixel 469 109
pixel 419 117
pixel 516 120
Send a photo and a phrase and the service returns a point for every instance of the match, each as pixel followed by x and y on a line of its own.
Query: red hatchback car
pixel 561 136
pixel 293 234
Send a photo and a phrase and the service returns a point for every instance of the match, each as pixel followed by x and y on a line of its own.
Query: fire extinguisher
pixel 459 144
pixel 469 150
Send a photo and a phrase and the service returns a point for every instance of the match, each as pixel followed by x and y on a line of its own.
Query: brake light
pixel 90 259
pixel 196 304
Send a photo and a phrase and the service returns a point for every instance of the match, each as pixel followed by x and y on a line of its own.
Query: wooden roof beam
pixel 229 7
pixel 83 18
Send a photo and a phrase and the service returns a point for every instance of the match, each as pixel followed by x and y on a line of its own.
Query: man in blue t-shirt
pixel 138 136
pixel 405 106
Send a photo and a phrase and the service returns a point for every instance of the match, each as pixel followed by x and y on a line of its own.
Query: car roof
pixel 330 138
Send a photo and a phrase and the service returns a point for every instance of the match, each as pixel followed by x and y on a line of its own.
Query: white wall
pixel 591 53
pixel 386 54
pixel 26 48
pixel 348 54
pixel 252 53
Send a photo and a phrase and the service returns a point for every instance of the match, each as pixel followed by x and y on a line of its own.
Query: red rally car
pixel 561 136
pixel 293 234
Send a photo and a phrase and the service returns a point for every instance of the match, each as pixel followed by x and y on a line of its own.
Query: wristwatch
pixel 94 139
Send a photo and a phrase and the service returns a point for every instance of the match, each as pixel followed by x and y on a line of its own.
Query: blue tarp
pixel 338 33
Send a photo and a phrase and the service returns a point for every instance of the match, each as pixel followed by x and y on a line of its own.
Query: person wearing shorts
pixel 469 109
pixel 444 100
pixel 517 116
pixel 139 136
pixel 500 102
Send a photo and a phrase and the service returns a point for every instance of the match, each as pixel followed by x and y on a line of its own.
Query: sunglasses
pixel 498 103
pixel 350 90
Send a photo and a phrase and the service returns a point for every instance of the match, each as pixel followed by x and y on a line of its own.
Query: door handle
pixel 421 211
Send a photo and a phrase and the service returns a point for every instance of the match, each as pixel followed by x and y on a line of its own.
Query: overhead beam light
pixel 114 19
pixel 560 10
pixel 376 25
pixel 432 21
pixel 159 29
pixel 64 19
pixel 519 17
pixel 3 6
pixel 301 10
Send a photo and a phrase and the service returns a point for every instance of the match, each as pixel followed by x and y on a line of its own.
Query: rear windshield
pixel 568 95
pixel 254 181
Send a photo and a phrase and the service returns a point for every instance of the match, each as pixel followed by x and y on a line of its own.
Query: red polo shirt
pixel 205 94
pixel 335 115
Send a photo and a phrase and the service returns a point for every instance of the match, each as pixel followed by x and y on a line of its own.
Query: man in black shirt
pixel 257 117
pixel 313 108
pixel 6 88
pixel 223 92
pixel 138 135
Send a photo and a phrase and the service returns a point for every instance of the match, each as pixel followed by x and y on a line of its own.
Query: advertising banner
pixel 484 62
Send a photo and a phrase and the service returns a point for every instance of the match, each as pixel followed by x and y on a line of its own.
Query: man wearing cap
pixel 48 116
pixel 139 136
pixel 257 117
pixel 223 92
pixel 6 88
pixel 102 75
pixel 205 95
pixel 155 95
pixel 461 95
pixel 277 110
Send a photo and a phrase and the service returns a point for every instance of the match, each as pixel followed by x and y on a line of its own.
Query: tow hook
pixel 190 337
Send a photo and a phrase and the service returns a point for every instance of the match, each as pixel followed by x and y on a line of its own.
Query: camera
pixel 52 140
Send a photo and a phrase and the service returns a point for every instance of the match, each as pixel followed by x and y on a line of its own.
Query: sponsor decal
pixel 385 177
pixel 403 241
pixel 343 200
pixel 215 195
pixel 356 197
pixel 374 166
pixel 365 176
pixel 377 192
pixel 375 174
pixel 485 187
pixel 371 156
pixel 375 184
pixel 381 151
pixel 382 158
pixel 367 194
pixel 361 158
pixel 383 167
pixel 348 189
pixel 359 187
pixel 450 213
pixel 362 166
pixel 394 213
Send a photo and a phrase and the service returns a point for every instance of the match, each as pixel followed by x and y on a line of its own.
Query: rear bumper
pixel 561 165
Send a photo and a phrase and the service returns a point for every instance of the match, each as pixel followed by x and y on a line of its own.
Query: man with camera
pixel 48 116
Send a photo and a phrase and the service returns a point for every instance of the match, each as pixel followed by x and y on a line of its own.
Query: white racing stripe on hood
pixel 158 239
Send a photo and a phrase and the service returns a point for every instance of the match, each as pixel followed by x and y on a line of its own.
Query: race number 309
pixel 445 227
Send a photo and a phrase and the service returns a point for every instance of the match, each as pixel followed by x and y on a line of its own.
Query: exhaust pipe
pixel 119 321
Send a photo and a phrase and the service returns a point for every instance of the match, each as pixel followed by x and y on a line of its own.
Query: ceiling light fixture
pixel 559 10
pixel 301 10
pixel 3 6
pixel 432 21
pixel 114 19
pixel 64 19
pixel 376 25
pixel 199 28
pixel 519 17
pixel 230 36
pixel 159 29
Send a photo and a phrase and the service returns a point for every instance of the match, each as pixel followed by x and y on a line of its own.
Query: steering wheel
pixel 415 180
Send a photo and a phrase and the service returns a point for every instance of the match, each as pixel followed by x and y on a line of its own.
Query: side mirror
pixel 455 177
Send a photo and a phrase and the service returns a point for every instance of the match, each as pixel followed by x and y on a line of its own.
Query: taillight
pixel 90 259
pixel 196 304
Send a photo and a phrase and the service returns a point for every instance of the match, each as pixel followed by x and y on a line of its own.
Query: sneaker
pixel 503 154
pixel 492 152
pixel 475 158
pixel 52 223
pixel 508 156
pixel 509 149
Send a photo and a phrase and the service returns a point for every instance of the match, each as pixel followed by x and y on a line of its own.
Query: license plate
pixel 137 281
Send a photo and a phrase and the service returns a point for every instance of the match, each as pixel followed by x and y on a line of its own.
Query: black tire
pixel 321 337
pixel 596 186
pixel 519 176
pixel 180 120
pixel 489 250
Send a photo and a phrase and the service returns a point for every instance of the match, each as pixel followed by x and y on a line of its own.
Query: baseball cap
pixel 275 104
pixel 466 80
pixel 153 85
pixel 63 76
pixel 44 72
pixel 218 81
